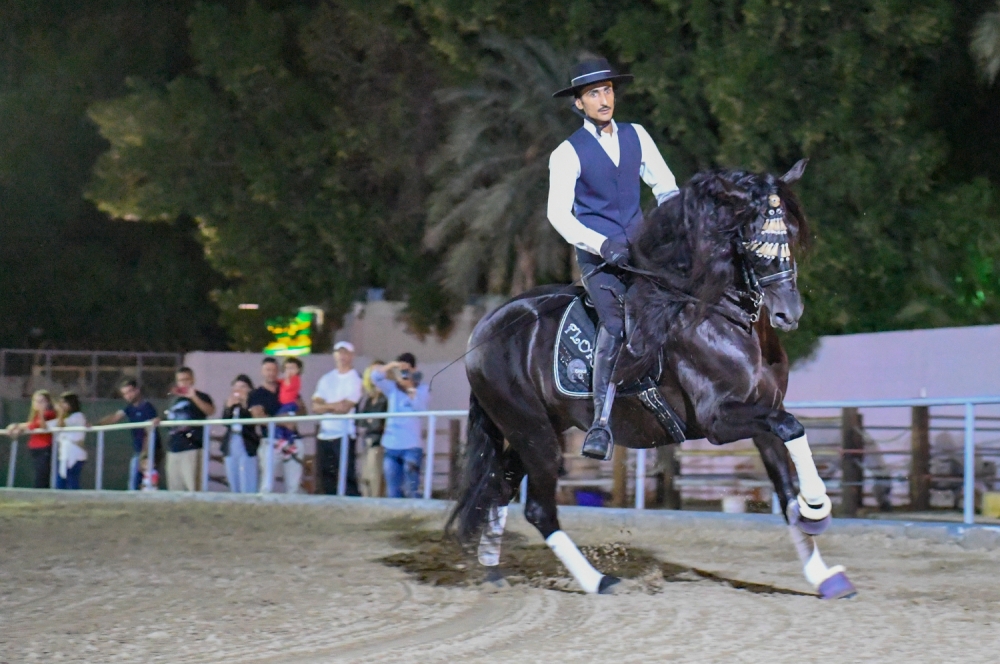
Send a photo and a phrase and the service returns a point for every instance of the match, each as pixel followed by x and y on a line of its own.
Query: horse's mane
pixel 688 243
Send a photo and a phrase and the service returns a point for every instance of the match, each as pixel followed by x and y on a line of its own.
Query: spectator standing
pixel 39 444
pixel 337 392
pixel 372 401
pixel 70 449
pixel 136 409
pixel 183 454
pixel 240 444
pixel 400 382
pixel 263 402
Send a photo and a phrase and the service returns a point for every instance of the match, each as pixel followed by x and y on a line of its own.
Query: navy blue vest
pixel 607 196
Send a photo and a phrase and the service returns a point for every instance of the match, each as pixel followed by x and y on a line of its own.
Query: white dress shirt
pixel 564 171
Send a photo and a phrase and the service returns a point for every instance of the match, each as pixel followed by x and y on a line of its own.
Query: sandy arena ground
pixel 143 580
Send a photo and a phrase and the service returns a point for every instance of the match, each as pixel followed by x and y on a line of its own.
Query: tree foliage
pixel 841 84
pixel 492 172
pixel 67 272
pixel 297 144
pixel 758 84
pixel 986 44
pixel 316 149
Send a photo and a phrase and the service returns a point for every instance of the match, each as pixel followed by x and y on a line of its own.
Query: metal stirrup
pixel 609 401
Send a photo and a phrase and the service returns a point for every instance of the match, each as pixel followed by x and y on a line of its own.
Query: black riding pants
pixel 606 291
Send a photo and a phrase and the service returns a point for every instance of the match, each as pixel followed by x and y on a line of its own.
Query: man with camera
pixel 400 382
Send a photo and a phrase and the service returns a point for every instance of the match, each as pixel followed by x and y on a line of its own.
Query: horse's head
pixel 773 228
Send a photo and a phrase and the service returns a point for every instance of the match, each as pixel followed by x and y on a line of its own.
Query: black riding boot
pixel 599 443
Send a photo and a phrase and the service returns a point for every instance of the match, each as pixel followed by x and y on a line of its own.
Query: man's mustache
pixel 603 108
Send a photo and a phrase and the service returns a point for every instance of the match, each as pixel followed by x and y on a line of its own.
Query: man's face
pixel 597 101
pixel 130 394
pixel 269 372
pixel 344 358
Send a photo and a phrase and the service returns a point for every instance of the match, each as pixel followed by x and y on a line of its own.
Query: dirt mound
pixel 437 559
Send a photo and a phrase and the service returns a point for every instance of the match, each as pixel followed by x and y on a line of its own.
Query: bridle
pixel 769 244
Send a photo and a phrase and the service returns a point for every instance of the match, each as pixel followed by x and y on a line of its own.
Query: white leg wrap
pixel 812 491
pixel 570 556
pixel 489 543
pixel 815 570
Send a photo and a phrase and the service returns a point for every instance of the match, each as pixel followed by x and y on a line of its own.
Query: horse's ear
pixel 795 173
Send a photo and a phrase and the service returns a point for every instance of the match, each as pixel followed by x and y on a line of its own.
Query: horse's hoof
pixel 606 586
pixel 495 580
pixel 837 586
pixel 493 575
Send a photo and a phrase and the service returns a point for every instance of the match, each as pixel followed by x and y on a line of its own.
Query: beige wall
pixel 377 330
pixel 215 371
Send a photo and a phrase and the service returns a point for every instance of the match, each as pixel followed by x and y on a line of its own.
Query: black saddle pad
pixel 574 352
pixel 573 367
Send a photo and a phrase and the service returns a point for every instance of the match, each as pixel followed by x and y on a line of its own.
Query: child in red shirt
pixel 291 384
pixel 289 389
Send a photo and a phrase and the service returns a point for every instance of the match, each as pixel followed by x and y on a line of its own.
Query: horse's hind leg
pixel 492 537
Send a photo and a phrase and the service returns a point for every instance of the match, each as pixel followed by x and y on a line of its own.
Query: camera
pixel 406 374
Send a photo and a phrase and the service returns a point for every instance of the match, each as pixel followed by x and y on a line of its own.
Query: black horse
pixel 708 262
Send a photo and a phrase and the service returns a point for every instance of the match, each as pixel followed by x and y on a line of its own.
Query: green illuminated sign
pixel 292 336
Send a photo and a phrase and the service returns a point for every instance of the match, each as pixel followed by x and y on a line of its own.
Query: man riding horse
pixel 594 204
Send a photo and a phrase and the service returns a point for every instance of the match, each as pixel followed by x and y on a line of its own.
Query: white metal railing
pixel 268 482
pixel 968 486
pixel 969 444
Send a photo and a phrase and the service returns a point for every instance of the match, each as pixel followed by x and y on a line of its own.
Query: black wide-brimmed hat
pixel 592 71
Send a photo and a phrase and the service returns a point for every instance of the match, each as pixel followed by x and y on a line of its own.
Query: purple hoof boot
pixel 810 527
pixel 837 586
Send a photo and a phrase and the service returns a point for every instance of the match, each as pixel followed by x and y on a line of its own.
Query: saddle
pixel 573 368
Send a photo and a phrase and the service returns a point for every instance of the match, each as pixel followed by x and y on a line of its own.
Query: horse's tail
pixel 483 483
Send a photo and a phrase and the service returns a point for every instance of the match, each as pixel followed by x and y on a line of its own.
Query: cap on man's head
pixel 344 345
pixel 408 358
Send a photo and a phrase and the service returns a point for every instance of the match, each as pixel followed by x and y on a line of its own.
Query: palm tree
pixel 986 44
pixel 488 211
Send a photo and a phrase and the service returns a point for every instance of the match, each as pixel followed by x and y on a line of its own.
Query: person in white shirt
pixel 337 392
pixel 69 444
pixel 594 204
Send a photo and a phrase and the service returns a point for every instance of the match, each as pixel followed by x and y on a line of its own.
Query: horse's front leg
pixel 775 457
pixel 773 431
pixel 812 508
pixel 830 582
